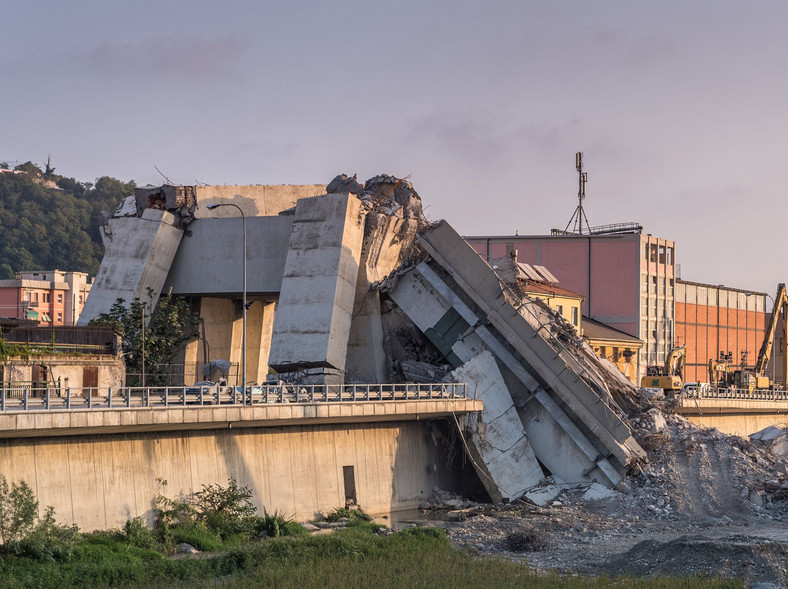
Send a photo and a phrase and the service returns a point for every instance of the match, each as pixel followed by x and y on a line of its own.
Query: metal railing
pixel 30 399
pixel 704 392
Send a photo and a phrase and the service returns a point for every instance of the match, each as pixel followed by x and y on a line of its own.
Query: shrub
pixel 18 511
pixel 49 540
pixel 227 511
pixel 136 533
pixel 278 524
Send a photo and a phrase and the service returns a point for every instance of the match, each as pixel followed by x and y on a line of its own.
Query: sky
pixel 679 107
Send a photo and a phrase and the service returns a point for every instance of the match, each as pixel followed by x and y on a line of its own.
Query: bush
pixel 136 533
pixel 18 511
pixel 49 540
pixel 227 511
pixel 278 524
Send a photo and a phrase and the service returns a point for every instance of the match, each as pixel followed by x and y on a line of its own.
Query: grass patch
pixel 348 514
pixel 351 557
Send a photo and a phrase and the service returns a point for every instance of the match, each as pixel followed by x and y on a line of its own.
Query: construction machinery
pixel 669 376
pixel 780 302
pixel 723 373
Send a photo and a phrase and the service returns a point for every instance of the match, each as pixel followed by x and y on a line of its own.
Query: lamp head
pixel 211 207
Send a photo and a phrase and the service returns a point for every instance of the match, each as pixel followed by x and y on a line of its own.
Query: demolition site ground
pixel 706 504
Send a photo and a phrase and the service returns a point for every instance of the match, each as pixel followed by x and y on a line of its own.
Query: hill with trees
pixel 48 221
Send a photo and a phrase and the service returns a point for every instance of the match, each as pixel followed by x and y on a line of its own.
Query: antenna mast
pixel 579 216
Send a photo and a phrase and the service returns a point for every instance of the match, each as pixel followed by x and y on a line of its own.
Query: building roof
pixel 721 287
pixel 546 288
pixel 597 331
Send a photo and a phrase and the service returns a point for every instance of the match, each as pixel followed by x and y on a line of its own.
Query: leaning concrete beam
pixel 560 446
pixel 503 459
pixel 138 258
pixel 313 317
pixel 559 369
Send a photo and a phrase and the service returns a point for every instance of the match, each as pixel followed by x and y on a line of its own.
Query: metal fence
pixel 30 398
pixel 704 392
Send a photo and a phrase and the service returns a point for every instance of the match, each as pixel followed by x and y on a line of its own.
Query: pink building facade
pixel 49 297
pixel 628 280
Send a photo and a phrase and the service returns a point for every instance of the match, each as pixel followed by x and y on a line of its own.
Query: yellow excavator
pixel 669 376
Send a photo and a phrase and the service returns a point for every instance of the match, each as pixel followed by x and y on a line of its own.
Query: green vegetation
pixel 38 553
pixel 348 514
pixel 49 221
pixel 171 324
pixel 352 557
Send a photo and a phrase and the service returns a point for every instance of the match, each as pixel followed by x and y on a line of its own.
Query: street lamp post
pixel 243 343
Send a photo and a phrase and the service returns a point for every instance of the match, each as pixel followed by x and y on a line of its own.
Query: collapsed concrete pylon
pixel 498 445
pixel 138 258
pixel 312 323
pixel 459 303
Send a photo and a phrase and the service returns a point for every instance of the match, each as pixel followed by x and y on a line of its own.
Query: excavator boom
pixel 768 339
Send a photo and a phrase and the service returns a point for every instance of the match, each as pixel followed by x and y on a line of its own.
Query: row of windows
pixel 658 253
pixel 32 297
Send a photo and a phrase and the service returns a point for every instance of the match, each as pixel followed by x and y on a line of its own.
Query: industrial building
pixel 627 279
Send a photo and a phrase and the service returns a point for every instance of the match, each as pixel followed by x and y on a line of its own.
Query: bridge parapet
pixel 189 408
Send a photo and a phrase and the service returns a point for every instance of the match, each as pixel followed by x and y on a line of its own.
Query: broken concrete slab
pixel 507 466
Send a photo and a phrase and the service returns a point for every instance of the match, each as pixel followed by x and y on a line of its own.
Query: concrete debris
pixel 415 371
pixel 597 492
pixel 441 499
pixel 181 201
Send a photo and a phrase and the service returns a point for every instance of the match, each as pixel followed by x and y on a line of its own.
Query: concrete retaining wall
pixel 99 482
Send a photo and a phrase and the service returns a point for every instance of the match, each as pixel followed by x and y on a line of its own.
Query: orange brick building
pixel 711 319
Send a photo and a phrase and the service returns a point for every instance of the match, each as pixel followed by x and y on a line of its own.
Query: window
pixel 575 316
pixel 35 297
pixel 80 299
pixel 653 257
pixel 670 256
pixel 560 309
pixel 662 254
pixel 45 297
pixel 60 317
pixel 60 297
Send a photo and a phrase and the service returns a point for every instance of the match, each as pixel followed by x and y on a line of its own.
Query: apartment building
pixel 49 297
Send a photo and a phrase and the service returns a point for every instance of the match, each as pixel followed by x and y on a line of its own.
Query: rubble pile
pixel 704 504
pixel 698 472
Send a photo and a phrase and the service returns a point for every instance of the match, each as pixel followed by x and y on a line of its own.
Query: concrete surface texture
pixel 98 482
pixel 254 200
pixel 498 442
pixel 312 323
pixel 137 259
pixel 209 260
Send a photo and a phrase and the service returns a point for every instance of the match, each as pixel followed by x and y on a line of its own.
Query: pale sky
pixel 680 108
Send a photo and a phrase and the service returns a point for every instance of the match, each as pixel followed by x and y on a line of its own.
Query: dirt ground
pixel 704 504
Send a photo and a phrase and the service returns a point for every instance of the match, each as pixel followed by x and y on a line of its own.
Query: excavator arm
pixel 765 352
